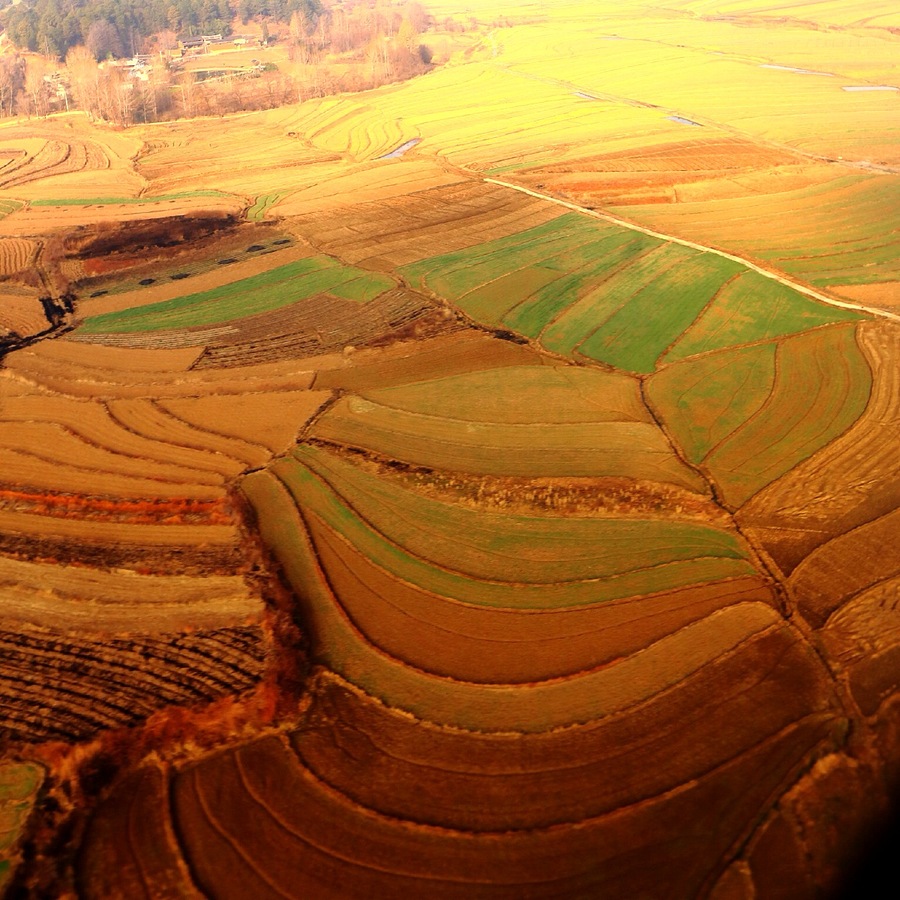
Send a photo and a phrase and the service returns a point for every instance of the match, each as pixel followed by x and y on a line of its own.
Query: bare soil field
pixel 21 312
pixel 375 525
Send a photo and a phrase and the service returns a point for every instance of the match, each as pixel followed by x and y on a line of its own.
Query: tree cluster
pixel 121 27
pixel 349 45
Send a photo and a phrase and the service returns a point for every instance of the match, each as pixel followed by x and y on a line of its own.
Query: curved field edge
pixel 501 547
pixel 260 819
pixel 790 400
pixel 503 645
pixel 338 644
pixel 637 450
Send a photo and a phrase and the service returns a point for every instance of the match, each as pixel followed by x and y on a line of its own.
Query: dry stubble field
pixel 398 528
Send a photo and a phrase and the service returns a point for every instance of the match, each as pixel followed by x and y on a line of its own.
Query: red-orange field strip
pixel 255 822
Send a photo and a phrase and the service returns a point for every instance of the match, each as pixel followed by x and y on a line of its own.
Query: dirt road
pixel 768 273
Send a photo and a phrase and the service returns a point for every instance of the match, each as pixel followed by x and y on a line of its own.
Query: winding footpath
pixel 774 274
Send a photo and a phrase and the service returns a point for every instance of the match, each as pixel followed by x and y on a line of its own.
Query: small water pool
pixel 399 151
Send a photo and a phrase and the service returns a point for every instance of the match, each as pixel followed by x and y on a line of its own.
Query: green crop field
pixel 754 308
pixel 262 204
pixel 267 291
pixel 519 549
pixel 591 290
pixel 753 413
pixel 111 201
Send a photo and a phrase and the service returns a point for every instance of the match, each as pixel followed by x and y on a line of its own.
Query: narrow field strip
pixel 636 450
pixel 515 594
pixel 98 601
pixel 524 549
pixel 269 290
pixel 831 491
pixel 500 781
pixel 821 387
pixel 484 644
pixel 127 201
pixel 751 414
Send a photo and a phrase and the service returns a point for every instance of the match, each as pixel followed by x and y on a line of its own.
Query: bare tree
pixel 84 78
pixel 12 80
pixel 36 87
pixel 187 82
pixel 103 40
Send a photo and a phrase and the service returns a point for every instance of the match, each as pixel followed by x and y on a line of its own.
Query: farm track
pixel 773 274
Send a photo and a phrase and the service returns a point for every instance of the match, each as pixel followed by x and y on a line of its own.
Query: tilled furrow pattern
pixel 55 686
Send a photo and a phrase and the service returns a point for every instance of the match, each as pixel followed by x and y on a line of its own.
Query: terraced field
pixel 836 239
pixel 370 526
pixel 602 292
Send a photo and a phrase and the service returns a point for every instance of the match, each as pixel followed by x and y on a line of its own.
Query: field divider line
pixel 768 273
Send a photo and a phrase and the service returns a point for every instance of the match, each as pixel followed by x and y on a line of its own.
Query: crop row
pixel 450 813
pixel 16 254
pixel 840 475
pixel 103 601
pixel 60 687
pixel 319 325
pixel 128 201
pixel 529 421
pixel 458 588
pixel 410 226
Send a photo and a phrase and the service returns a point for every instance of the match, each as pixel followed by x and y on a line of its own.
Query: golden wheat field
pixel 481 486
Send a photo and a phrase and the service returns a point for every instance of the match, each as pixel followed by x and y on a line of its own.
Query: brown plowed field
pixel 884 295
pixel 863 637
pixel 108 533
pixel 829 493
pixel 324 324
pixel 375 182
pixel 846 566
pixel 21 312
pixel 416 361
pixel 656 174
pixel 16 254
pixel 268 419
pixel 482 644
pixel 444 219
pixel 41 220
pixel 481 782
pixel 148 418
pixel 59 687
pixel 87 371
pixel 97 427
pixel 432 812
